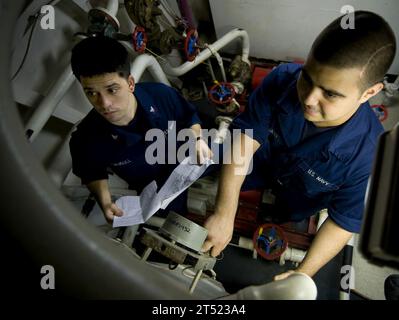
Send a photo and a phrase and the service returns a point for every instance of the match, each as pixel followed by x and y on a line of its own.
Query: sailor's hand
pixel 110 210
pixel 220 231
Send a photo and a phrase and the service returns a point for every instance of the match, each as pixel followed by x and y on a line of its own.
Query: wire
pixel 35 17
pixel 153 53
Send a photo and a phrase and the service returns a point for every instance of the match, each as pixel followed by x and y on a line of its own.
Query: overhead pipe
pixel 61 164
pixel 210 50
pixel 185 11
pixel 47 106
pixel 111 5
pixel 220 63
pixel 297 286
pixel 146 61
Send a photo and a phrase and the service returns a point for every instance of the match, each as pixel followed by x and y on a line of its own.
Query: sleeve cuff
pixel 345 222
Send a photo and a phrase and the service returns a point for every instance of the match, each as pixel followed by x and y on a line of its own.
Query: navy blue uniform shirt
pixel 97 145
pixel 308 172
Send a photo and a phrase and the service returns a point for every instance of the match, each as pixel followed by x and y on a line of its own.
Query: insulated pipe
pixel 220 62
pixel 146 61
pixel 292 254
pixel 297 286
pixel 211 48
pixel 323 215
pixel 62 162
pixel 112 6
pixel 186 13
pixel 47 106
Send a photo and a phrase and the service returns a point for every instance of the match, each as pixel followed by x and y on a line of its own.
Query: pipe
pixel 186 13
pixel 220 62
pixel 112 6
pixel 323 215
pixel 224 123
pixel 298 286
pixel 292 254
pixel 145 61
pixel 46 108
pixel 61 164
pixel 216 46
pixel 211 71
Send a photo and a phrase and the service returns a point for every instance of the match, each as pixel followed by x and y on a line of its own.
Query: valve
pixel 270 241
pixel 380 111
pixel 139 39
pixel 221 93
pixel 191 44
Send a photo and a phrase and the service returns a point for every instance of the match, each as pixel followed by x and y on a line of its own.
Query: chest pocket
pixel 305 180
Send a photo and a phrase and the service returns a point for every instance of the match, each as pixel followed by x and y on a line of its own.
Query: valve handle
pixel 270 241
pixel 380 111
pixel 139 39
pixel 191 44
pixel 221 93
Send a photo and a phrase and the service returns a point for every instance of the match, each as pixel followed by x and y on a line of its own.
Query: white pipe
pixel 222 130
pixel 298 286
pixel 46 108
pixel 211 70
pixel 323 215
pixel 112 6
pixel 292 254
pixel 220 62
pixel 61 164
pixel 212 48
pixel 146 61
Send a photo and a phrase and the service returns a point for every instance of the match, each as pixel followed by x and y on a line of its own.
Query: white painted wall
pixel 286 29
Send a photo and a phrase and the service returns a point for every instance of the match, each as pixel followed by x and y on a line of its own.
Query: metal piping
pixel 210 50
pixel 47 106
pixel 146 61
